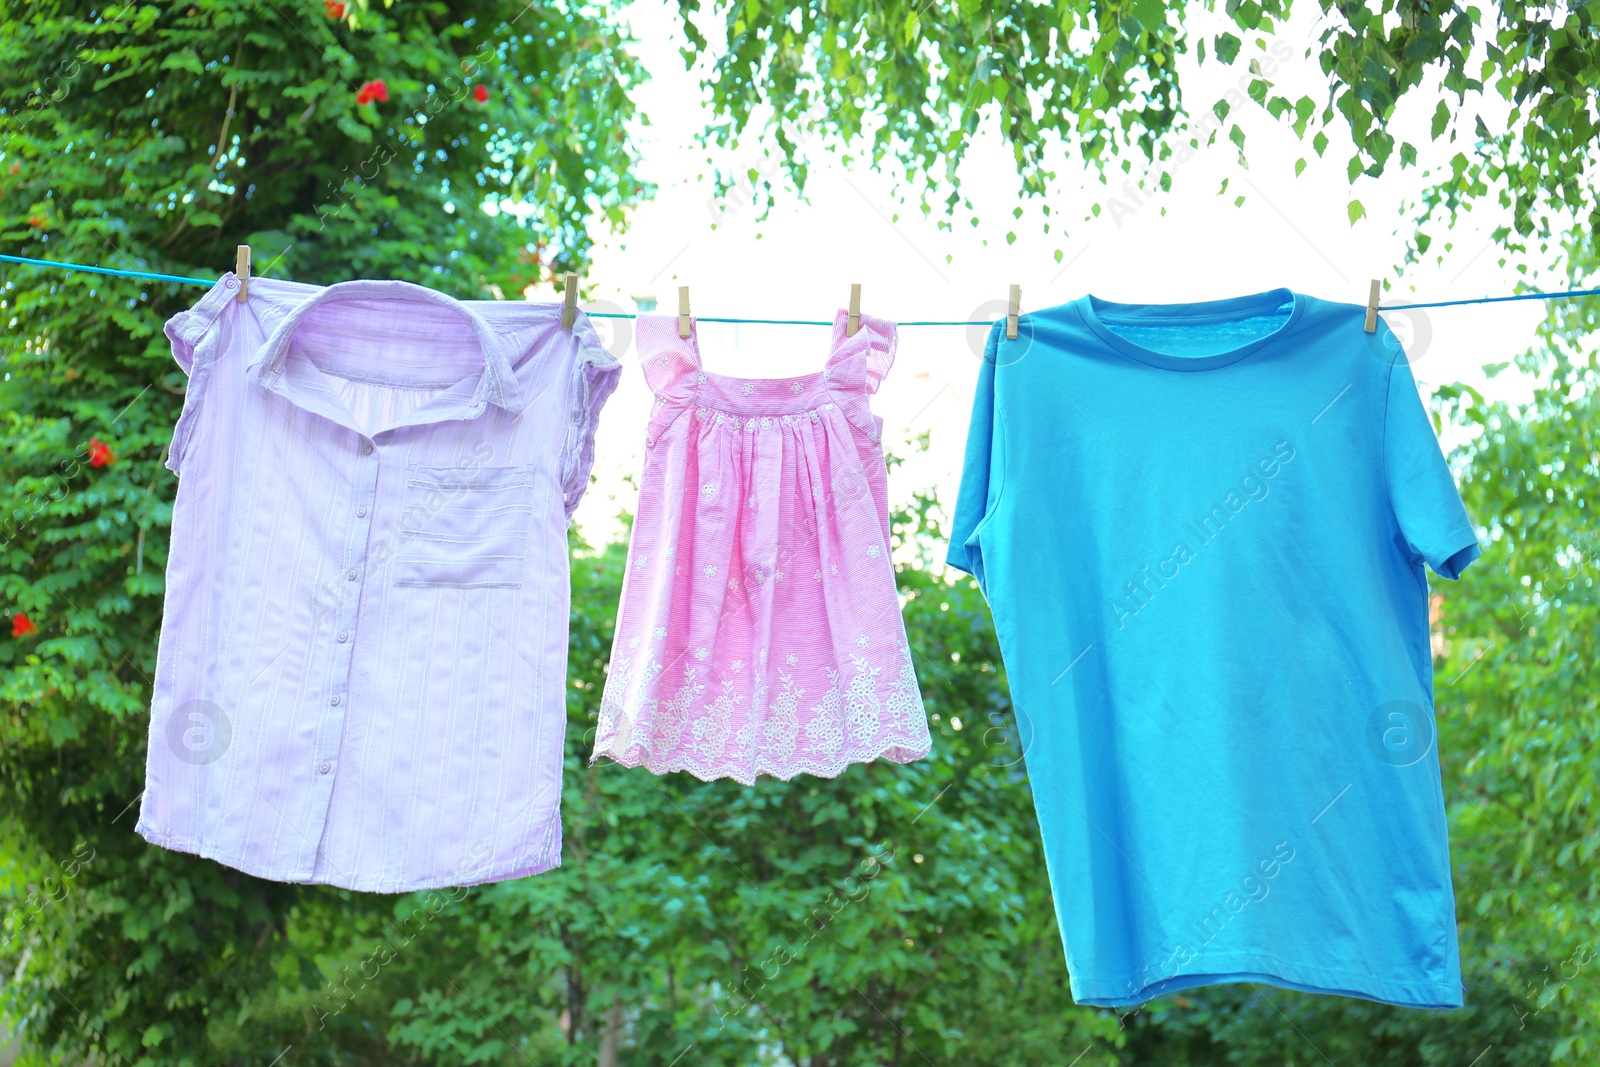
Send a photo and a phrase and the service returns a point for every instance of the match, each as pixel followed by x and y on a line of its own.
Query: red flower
pixel 481 94
pixel 21 626
pixel 38 223
pixel 100 454
pixel 335 9
pixel 373 90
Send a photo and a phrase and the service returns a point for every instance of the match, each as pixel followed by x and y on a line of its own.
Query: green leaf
pixel 1441 119
pixel 1355 210
pixel 183 59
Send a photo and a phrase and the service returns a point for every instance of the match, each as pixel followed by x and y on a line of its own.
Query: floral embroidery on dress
pixel 710 732
pixel 782 727
pixel 863 714
pixel 675 712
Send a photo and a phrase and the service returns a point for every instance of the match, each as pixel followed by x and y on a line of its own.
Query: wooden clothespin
pixel 1372 307
pixel 1013 309
pixel 241 270
pixel 683 311
pixel 852 324
pixel 569 307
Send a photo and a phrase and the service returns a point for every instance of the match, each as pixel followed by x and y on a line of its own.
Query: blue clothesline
pixel 179 279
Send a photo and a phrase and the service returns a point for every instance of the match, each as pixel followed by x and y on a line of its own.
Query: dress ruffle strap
pixel 858 366
pixel 670 362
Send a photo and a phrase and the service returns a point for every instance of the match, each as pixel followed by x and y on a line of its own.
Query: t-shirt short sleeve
pixel 982 472
pixel 1427 507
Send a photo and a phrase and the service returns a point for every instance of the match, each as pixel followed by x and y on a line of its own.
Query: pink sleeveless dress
pixel 760 629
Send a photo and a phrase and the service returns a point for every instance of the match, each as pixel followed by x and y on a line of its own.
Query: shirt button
pixel 361 512
pixel 343 637
pixel 324 768
pixel 366 449
pixel 334 701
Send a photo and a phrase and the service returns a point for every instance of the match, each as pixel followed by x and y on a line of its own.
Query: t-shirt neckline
pixel 1097 312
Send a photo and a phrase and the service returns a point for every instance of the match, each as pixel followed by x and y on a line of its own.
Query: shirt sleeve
pixel 981 472
pixel 595 373
pixel 199 338
pixel 1427 508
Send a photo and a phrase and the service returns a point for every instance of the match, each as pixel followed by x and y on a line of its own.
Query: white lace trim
pixel 859 718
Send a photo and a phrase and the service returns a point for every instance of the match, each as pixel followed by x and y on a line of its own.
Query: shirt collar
pixel 497 384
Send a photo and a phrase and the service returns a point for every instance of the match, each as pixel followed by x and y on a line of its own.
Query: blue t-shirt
pixel 1202 530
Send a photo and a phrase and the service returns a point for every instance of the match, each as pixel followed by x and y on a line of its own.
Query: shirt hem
pixel 1256 967
pixel 521 868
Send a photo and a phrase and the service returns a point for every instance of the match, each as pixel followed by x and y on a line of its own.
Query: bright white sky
pixel 800 261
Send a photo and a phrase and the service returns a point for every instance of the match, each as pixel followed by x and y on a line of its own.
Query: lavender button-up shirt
pixel 362 672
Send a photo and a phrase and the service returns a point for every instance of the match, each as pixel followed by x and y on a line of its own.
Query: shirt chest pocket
pixel 465 527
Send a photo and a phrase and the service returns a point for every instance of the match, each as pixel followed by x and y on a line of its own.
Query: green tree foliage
pixel 155 137
pixel 896 915
pixel 1515 84
pixel 1521 699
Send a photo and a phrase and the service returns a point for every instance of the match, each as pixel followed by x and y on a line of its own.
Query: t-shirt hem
pixel 1256 967
pixel 519 868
